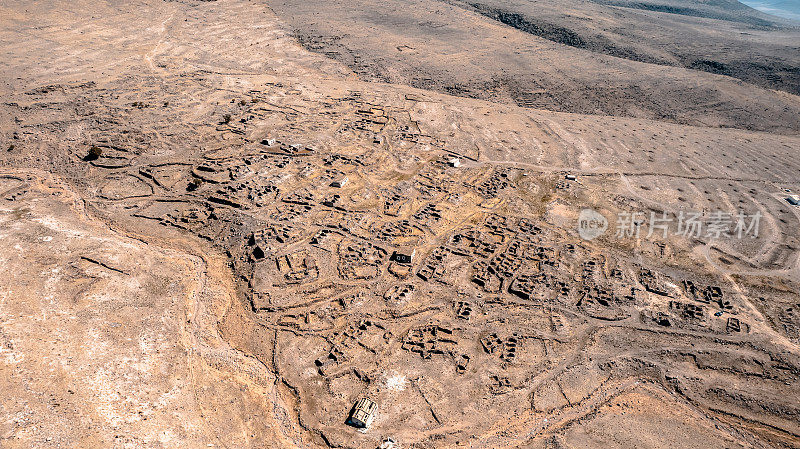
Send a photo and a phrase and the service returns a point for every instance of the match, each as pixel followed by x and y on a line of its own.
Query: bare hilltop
pixel 420 224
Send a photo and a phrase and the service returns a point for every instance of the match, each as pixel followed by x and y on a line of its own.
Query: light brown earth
pixel 172 277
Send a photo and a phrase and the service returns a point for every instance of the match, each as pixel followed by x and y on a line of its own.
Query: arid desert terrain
pixel 508 224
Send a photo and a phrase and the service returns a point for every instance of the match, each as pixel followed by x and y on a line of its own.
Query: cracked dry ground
pixel 197 223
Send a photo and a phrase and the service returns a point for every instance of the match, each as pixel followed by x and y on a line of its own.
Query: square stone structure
pixel 404 255
pixel 363 413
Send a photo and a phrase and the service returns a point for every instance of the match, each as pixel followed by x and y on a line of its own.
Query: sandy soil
pixel 200 223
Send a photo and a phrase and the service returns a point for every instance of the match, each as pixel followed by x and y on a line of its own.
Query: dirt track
pixel 199 219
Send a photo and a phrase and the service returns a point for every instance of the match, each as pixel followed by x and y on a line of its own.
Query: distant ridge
pixel 788 9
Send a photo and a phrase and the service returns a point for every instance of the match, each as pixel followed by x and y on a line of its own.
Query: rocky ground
pixel 214 237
